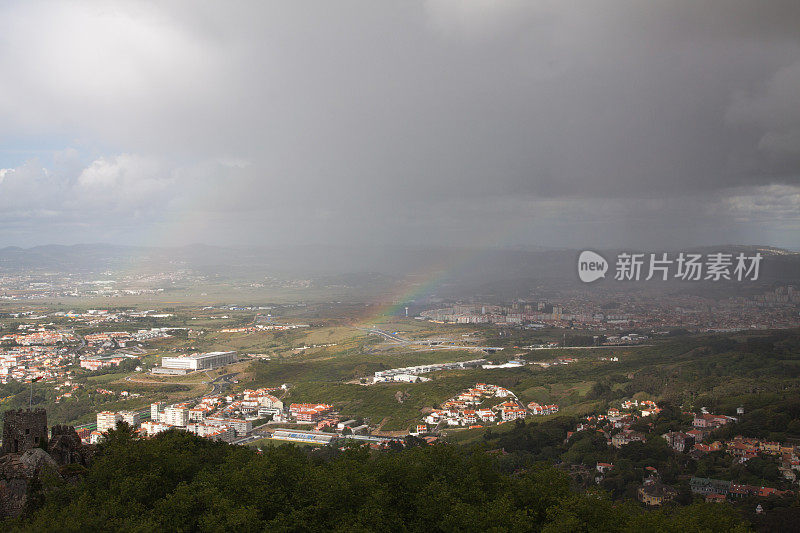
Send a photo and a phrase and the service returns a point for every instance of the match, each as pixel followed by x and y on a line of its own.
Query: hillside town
pixel 477 407
pixel 261 414
pixel 694 442
pixel 48 355
pixel 240 418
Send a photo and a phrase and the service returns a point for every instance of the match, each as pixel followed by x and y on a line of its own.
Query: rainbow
pixel 415 286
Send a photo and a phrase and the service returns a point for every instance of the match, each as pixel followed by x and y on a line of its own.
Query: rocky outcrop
pixel 65 447
pixel 17 473
pixel 36 466
pixel 36 459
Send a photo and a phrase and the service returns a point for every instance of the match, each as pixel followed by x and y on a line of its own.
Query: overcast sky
pixel 455 122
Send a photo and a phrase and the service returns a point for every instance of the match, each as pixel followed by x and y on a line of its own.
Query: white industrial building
pixel 410 373
pixel 200 361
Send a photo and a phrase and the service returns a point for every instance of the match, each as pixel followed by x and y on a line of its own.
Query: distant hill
pixel 454 271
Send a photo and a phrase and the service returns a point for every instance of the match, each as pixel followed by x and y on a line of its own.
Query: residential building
pixel 107 420
pixel 705 420
pixel 176 416
pixel 241 427
pixel 512 414
pixel 155 411
pixel 705 486
pixel 150 428
pixel 308 412
pixel 625 437
pixel 679 441
pixel 222 432
pixel 604 467
pixel 655 493
pixel 131 417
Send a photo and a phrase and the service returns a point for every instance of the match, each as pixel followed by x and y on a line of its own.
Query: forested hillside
pixel 178 482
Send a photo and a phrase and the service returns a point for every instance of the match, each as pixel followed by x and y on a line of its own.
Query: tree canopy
pixel 179 482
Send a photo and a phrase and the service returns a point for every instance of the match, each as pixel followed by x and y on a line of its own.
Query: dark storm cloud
pixel 440 121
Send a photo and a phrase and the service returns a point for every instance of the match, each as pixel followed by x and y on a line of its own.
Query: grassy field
pixel 397 405
pixel 685 371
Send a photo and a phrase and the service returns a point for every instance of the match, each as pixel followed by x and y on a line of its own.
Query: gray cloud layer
pixel 578 123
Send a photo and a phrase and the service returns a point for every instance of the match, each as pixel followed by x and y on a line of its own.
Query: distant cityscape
pixel 777 308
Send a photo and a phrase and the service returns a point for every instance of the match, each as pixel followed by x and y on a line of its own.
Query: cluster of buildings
pixel 216 417
pixel 536 409
pixel 40 337
pixel 118 338
pixel 719 490
pixel 263 327
pixel 740 448
pixel 495 314
pixel 201 420
pixel 96 363
pixel 616 423
pixel 474 408
pixel 46 354
pixel 555 362
pixel 616 426
pixel 98 316
pixel 20 286
pixel 266 403
pixel 644 407
pixel 107 420
pixel 630 338
pixel 24 363
pixel 783 296
pixel 411 374
pixel 322 438
pixel 225 418
pixel 774 309
pixel 655 493
pixel 309 412
pixel 109 349
pixel 743 449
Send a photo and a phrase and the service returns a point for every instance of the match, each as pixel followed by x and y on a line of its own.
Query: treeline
pixel 706 371
pixel 772 417
pixel 178 482
pixel 532 442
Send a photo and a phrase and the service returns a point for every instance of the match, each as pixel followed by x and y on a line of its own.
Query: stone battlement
pixel 23 430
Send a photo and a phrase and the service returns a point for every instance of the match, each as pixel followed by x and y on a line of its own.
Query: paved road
pixel 386 335
pixel 430 344
pixel 217 384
